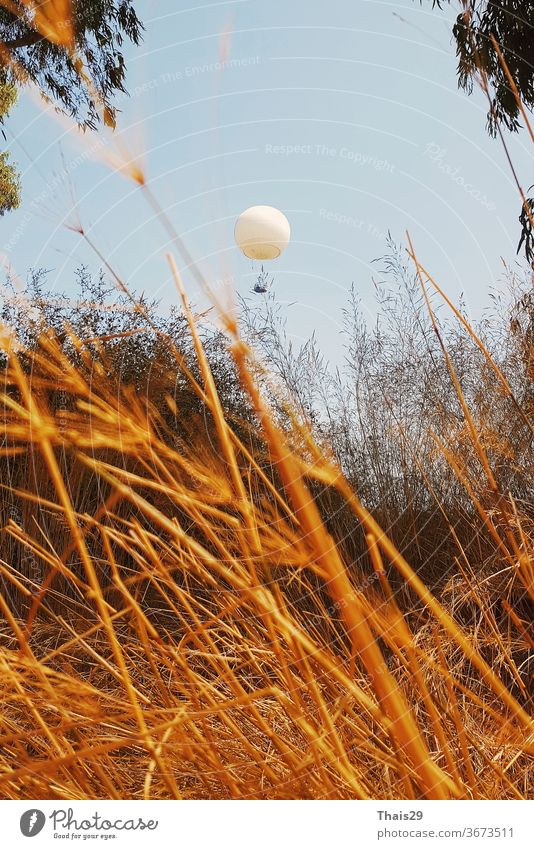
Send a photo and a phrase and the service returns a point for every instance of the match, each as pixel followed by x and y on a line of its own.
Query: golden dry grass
pixel 168 652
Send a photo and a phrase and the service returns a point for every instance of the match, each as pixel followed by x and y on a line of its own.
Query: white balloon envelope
pixel 262 232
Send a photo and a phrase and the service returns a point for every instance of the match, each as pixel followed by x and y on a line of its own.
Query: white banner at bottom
pixel 267 825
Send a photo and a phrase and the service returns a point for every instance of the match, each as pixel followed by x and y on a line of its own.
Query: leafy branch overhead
pixel 37 49
pixel 509 24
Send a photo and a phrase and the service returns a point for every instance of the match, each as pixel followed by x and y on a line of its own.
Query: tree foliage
pixel 9 185
pixel 98 27
pixel 511 24
pixel 9 176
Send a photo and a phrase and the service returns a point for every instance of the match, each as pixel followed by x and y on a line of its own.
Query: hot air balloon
pixel 263 233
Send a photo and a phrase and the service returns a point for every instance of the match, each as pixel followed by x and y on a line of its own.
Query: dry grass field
pixel 180 621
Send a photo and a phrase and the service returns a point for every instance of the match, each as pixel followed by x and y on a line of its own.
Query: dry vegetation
pixel 192 609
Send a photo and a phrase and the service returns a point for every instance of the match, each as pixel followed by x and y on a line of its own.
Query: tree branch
pixel 23 41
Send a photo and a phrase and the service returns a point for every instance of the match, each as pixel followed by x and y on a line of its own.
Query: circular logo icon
pixel 32 822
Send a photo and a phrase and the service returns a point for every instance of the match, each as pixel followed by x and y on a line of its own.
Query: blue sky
pixel 346 115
